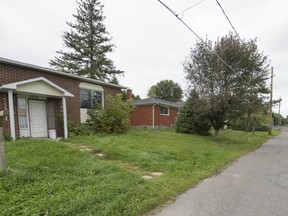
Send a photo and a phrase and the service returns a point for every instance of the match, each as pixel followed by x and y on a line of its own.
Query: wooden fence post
pixel 2 152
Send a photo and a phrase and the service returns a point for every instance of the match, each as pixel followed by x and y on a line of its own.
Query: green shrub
pixel 75 129
pixel 193 118
pixel 115 118
pixel 79 130
pixel 258 122
pixel 7 135
pixel 190 122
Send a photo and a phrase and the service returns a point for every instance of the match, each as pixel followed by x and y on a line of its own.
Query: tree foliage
pixel 278 119
pixel 88 44
pixel 167 90
pixel 152 92
pixel 232 85
pixel 284 121
pixel 115 118
pixel 114 80
pixel 258 122
pixel 193 117
pixel 125 96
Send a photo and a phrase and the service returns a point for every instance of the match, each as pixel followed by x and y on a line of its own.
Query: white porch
pixel 32 108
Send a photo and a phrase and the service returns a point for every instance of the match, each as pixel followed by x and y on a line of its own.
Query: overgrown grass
pixel 56 178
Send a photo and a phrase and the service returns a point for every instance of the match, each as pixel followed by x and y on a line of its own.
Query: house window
pixel 164 110
pixel 50 115
pixel 22 113
pixel 88 98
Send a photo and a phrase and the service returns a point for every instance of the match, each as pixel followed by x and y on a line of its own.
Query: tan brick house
pixel 36 100
pixel 154 113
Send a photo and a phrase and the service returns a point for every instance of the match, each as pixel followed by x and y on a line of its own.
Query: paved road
pixel 257 184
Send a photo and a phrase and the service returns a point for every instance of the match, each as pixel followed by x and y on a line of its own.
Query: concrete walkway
pixel 257 184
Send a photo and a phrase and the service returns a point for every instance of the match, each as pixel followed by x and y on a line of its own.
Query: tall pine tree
pixel 88 43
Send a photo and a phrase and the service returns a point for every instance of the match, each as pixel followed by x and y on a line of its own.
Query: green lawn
pixel 58 178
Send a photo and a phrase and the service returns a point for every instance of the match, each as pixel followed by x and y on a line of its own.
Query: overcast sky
pixel 151 44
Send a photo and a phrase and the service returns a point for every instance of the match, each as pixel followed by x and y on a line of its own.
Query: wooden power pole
pixel 271 103
pixel 279 115
pixel 2 152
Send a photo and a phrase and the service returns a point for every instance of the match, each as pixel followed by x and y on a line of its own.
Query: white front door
pixel 38 118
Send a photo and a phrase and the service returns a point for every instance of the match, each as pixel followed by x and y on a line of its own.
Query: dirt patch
pixel 101 155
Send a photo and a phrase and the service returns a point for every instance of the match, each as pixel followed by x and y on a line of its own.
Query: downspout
pixel 153 115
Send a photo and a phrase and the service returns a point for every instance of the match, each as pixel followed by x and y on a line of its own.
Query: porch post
pixel 65 117
pixel 11 114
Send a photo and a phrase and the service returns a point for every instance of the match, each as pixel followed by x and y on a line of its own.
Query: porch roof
pixel 39 85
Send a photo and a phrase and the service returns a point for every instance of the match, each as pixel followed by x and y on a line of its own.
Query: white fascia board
pixel 13 86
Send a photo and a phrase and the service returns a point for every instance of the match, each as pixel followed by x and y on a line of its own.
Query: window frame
pixel 91 94
pixel 23 113
pixel 165 107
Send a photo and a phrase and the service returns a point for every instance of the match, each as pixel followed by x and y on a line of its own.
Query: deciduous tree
pixel 230 76
pixel 167 90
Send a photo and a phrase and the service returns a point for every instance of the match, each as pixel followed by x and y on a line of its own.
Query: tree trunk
pixel 247 123
pixel 2 152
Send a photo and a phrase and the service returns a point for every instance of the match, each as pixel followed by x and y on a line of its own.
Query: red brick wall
pixel 10 74
pixel 110 91
pixel 163 120
pixel 142 115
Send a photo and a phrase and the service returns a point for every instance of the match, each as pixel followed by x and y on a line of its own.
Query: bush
pixel 258 122
pixel 193 118
pixel 76 130
pixel 115 118
pixel 7 136
pixel 191 122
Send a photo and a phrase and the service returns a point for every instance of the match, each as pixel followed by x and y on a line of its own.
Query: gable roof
pixel 14 85
pixel 152 101
pixel 52 71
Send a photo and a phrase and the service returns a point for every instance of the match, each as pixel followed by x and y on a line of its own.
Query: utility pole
pixel 271 101
pixel 279 115
pixel 2 152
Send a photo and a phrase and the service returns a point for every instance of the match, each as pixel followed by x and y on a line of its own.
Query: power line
pixel 191 7
pixel 249 16
pixel 227 18
pixel 210 49
pixel 237 34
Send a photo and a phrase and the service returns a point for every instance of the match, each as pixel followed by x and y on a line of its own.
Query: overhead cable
pixel 227 18
pixel 191 7
pixel 210 49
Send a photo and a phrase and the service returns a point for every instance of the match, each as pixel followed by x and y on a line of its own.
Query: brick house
pixel 31 98
pixel 155 113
